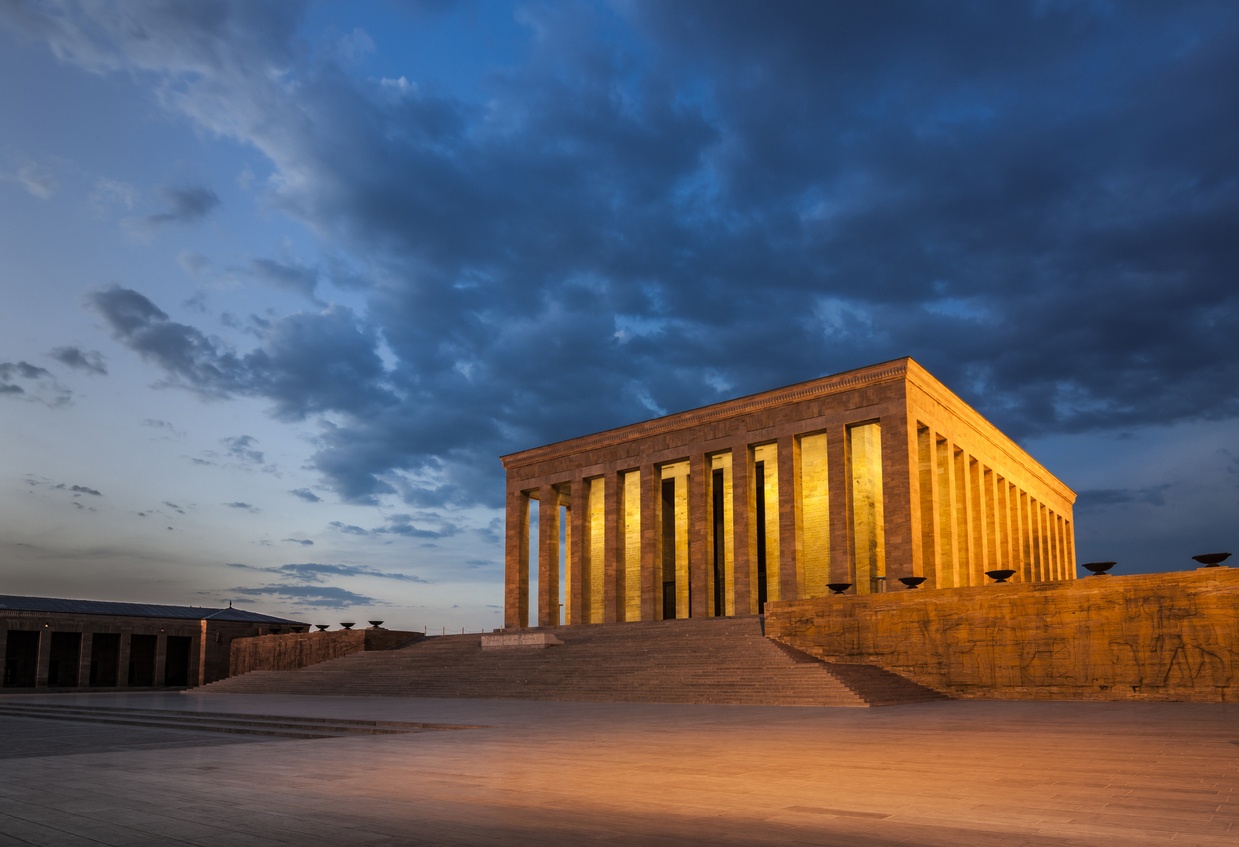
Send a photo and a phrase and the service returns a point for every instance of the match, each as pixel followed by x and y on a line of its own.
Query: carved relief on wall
pixel 1164 636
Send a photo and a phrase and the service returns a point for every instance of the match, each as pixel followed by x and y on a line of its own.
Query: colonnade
pixel 49 656
pixel 711 534
pixel 975 519
pixel 861 479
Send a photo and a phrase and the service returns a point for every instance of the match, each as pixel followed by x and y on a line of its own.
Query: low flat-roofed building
pixel 863 478
pixel 50 642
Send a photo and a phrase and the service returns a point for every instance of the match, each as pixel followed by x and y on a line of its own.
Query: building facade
pixel 861 478
pixel 49 642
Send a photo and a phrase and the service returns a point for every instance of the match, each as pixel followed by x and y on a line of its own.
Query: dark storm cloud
pixel 291 276
pixel 1035 200
pixel 83 360
pixel 314 572
pixel 185 205
pixel 306 494
pixel 308 362
pixel 401 525
pixel 1100 498
pixel 317 596
pixel 241 447
pixel 31 382
pixel 74 489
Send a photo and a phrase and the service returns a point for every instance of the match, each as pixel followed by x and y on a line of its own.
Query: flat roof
pixel 62 606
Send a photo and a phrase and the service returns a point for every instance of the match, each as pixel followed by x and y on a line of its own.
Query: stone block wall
pixel 290 651
pixel 1171 636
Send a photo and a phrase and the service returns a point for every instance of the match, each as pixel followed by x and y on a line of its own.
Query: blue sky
pixel 282 281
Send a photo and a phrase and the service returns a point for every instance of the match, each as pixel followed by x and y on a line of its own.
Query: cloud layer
pixel 680 202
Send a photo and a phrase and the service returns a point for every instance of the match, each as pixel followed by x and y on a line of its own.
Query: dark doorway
pixel 63 660
pixel 21 658
pixel 176 665
pixel 142 659
pixel 759 511
pixel 720 544
pixel 668 545
pixel 105 659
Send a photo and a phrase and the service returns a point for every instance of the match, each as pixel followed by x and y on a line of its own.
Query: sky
pixel 282 281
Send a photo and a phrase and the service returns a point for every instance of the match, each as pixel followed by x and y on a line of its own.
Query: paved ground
pixel 951 773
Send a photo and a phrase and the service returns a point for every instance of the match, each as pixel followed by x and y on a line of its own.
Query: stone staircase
pixel 276 726
pixel 716 660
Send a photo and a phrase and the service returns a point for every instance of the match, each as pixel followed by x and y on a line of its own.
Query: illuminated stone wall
pixel 289 651
pixel 862 478
pixel 1172 636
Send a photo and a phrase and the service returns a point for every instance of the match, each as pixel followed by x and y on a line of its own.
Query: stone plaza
pixel 944 774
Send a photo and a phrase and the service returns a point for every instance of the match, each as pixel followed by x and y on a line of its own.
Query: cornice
pixel 753 403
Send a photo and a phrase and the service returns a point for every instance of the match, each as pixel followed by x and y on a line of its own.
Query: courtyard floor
pixel 945 773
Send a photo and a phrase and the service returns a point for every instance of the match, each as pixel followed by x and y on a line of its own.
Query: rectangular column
pixel 161 659
pixel 651 543
pixel 901 494
pixel 928 506
pixel 579 565
pixel 44 658
pixel 944 498
pixel 744 531
pixel 840 506
pixel 700 559
pixel 85 650
pixel 122 659
pixel 969 573
pixel 791 530
pixel 516 562
pixel 1071 550
pixel 613 550
pixel 548 556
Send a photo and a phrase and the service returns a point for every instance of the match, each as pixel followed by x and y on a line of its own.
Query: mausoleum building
pixel 861 478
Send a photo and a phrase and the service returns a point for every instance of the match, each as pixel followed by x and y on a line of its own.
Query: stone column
pixel 699 532
pixel 516 562
pixel 195 662
pixel 840 485
pixel 791 537
pixel 161 658
pixel 613 549
pixel 44 657
pixel 930 532
pixel 548 556
pixel 1047 562
pixel 579 564
pixel 85 648
pixel 901 496
pixel 744 530
pixel 1034 539
pixel 651 543
pixel 122 658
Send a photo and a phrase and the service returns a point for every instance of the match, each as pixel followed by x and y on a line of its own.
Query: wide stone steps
pixel 277 726
pixel 718 660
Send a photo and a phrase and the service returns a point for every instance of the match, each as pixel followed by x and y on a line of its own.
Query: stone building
pixel 863 478
pixel 57 643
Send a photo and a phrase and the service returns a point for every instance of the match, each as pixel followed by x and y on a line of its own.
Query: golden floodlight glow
pixel 865 478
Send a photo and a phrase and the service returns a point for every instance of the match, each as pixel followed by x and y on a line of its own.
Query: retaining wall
pixel 290 651
pixel 1171 636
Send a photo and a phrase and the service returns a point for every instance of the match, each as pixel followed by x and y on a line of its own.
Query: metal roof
pixel 56 605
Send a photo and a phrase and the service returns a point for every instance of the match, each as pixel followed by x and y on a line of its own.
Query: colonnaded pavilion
pixel 861 478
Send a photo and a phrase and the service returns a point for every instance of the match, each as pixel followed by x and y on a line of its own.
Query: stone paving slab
pixel 945 773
